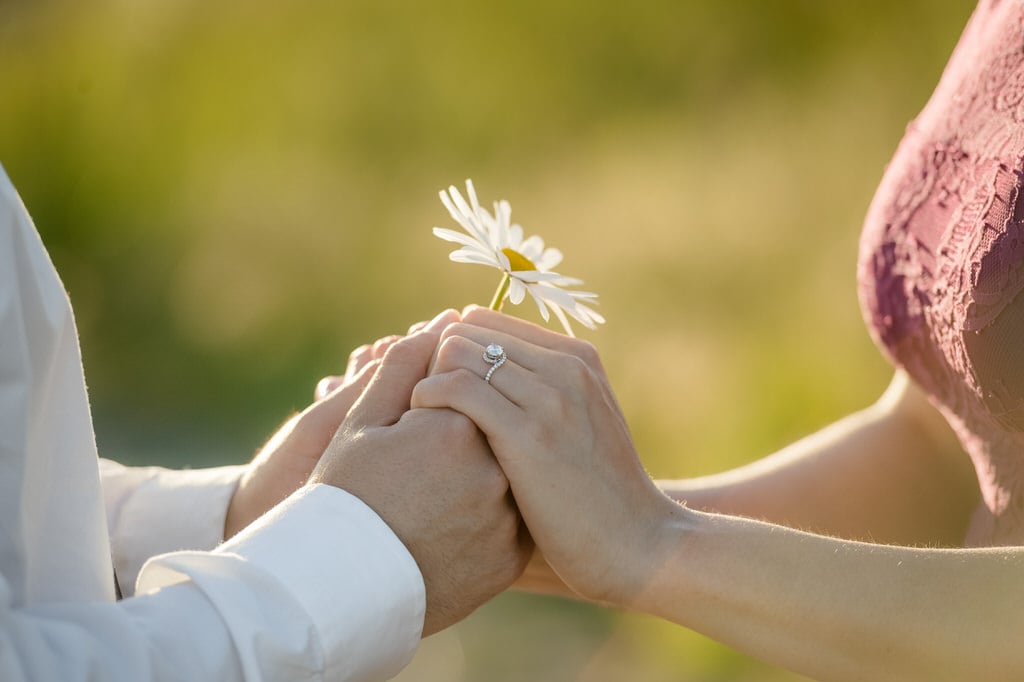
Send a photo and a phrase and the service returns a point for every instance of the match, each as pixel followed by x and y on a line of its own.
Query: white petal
pixel 472 196
pixel 515 237
pixel 592 314
pixel 492 228
pixel 565 301
pixel 457 237
pixel 537 276
pixel 502 216
pixel 585 315
pixel 561 318
pixel 516 291
pixel 447 199
pixel 483 253
pixel 468 223
pixel 555 295
pixel 549 259
pixel 532 248
pixel 465 256
pixel 503 212
pixel 540 305
pixel 456 216
pixel 460 202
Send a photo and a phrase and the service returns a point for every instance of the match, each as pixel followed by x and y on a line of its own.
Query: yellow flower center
pixel 517 261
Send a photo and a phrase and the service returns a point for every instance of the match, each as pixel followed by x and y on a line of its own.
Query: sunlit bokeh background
pixel 238 193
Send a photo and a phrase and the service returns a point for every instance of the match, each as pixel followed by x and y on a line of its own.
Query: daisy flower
pixel 495 241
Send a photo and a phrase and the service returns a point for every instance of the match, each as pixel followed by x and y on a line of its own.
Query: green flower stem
pixel 499 295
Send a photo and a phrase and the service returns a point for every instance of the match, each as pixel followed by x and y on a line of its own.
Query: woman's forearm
pixel 892 473
pixel 877 475
pixel 835 609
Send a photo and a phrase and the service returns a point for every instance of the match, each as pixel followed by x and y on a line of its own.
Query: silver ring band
pixel 495 356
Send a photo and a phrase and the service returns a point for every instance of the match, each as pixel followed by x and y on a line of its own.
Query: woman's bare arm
pixel 893 473
pixel 835 609
pixel 831 608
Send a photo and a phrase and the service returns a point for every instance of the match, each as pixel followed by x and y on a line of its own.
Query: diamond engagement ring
pixel 494 355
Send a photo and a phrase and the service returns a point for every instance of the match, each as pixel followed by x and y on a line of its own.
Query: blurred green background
pixel 238 193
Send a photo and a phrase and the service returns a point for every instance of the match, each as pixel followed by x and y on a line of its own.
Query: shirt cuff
pixel 165 510
pixel 342 565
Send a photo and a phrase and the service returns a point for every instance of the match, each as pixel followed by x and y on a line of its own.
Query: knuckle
pixel 459 427
pixel 383 343
pixel 406 350
pixel 587 352
pixel 475 315
pixel 446 358
pixel 423 393
pixel 455 329
pixel 401 351
pixel 579 378
pixel 326 385
pixel 358 354
pixel 460 380
pixel 366 369
pixel 453 353
pixel 578 369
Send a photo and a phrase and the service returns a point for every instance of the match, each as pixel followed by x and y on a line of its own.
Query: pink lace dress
pixel 941 265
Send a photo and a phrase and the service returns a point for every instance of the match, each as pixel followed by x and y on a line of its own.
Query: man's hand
pixel 286 461
pixel 431 477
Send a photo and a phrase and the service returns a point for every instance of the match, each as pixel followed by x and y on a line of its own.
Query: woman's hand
pixel 553 423
pixel 288 458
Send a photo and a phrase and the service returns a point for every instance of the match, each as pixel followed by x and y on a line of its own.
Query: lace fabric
pixel 941 266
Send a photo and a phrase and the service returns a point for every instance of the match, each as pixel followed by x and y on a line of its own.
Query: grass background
pixel 238 193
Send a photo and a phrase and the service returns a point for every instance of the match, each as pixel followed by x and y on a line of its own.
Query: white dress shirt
pixel 320 588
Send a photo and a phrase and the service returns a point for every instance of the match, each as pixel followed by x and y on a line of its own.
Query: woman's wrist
pixel 654 551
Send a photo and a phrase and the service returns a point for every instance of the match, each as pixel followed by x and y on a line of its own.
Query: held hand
pixel 285 462
pixel 429 474
pixel 553 423
pixel 371 354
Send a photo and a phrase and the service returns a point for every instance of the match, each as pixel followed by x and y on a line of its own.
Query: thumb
pixel 387 397
pixel 325 415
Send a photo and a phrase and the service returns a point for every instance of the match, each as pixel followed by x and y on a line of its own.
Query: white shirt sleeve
pixel 152 510
pixel 356 594
pixel 318 589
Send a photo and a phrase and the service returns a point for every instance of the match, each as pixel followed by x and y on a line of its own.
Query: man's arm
pixel 333 583
pixel 153 510
pixel 320 588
